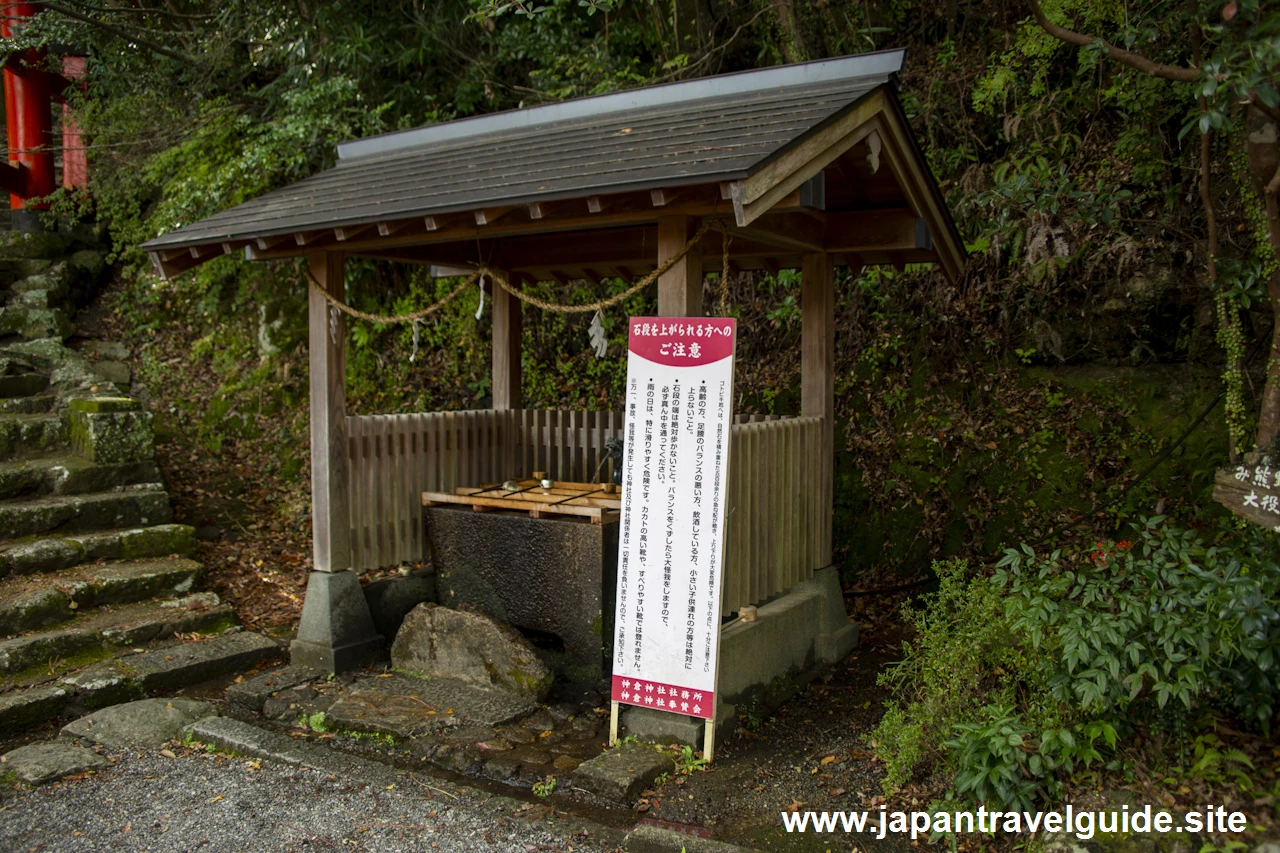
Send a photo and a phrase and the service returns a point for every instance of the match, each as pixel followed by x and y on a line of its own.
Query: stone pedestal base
pixel 336 632
pixel 761 661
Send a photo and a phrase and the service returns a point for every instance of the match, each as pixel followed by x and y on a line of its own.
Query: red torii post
pixel 29 91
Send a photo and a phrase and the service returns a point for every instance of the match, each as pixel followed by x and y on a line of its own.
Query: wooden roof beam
pixel 787 172
pixel 490 215
pixel 885 230
pixel 312 238
pixel 386 229
pixel 785 232
pixel 268 244
pixel 663 197
pixel 204 253
pixel 352 232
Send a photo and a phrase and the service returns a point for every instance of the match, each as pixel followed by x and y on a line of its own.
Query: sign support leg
pixel 708 740
pixel 613 724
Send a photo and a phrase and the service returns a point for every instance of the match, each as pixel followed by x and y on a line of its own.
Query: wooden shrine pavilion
pixel 806 166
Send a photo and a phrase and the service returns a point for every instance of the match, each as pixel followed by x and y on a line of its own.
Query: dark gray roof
pixel 693 132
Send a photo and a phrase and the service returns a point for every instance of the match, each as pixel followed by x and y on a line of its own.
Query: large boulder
pixel 469 646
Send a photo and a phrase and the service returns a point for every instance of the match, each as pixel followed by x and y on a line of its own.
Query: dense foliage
pixel 1020 679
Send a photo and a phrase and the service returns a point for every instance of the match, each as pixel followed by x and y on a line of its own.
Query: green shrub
pixel 1173 618
pixel 1018 680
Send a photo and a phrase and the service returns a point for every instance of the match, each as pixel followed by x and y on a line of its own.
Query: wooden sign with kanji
pixel 1251 490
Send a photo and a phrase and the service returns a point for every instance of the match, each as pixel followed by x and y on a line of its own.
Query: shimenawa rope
pixel 502 281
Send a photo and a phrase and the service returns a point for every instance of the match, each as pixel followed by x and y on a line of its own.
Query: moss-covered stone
pixel 17 480
pixel 73 513
pixel 33 611
pixel 23 384
pixel 104 405
pixel 112 437
pixel 19 711
pixel 45 555
pixel 22 653
pixel 158 541
pixel 26 435
pixel 29 245
pixel 26 405
pixel 36 323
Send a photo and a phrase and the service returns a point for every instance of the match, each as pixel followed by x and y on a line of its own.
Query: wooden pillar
pixel 330 498
pixel 680 289
pixel 507 327
pixel 817 376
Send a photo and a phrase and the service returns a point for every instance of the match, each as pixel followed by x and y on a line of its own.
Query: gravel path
pixel 219 804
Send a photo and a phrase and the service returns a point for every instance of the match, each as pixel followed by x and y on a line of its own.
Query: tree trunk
pixel 1264 175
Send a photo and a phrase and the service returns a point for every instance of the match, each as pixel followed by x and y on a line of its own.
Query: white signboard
pixel 679 414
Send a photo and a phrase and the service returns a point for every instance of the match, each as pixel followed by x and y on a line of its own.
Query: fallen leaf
pixel 828 760
pixel 167 753
pixel 219 797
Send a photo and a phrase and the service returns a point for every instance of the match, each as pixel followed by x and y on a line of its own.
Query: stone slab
pixel 29 434
pixel 104 405
pixel 245 739
pixel 106 683
pixel 144 723
pixel 24 652
pixel 623 772
pixel 112 437
pixel 402 706
pixel 19 711
pixel 137 543
pixel 41 763
pixel 660 727
pixel 45 555
pixel 75 513
pixel 647 838
pixel 31 611
pixel 136 580
pixel 163 669
pixel 249 695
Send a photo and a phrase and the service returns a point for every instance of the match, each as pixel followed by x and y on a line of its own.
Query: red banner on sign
pixel 682 343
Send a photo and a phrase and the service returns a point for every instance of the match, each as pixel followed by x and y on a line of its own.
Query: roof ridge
pixel 881 64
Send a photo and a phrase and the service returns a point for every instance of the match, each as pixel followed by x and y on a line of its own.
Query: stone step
pixel 71 475
pixel 23 384
pixel 131 674
pixel 171 667
pixel 32 658
pixel 34 298
pixel 82 513
pixel 31 602
pixel 26 405
pixel 35 323
pixel 30 435
pixel 55 554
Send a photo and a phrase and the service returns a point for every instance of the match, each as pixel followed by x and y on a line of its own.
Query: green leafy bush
pixel 1020 679
pixel 1172 618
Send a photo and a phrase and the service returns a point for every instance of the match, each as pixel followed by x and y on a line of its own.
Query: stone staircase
pixel 99 599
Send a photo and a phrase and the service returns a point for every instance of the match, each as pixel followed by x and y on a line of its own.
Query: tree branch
pixel 149 45
pixel 1124 57
pixel 1270 112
